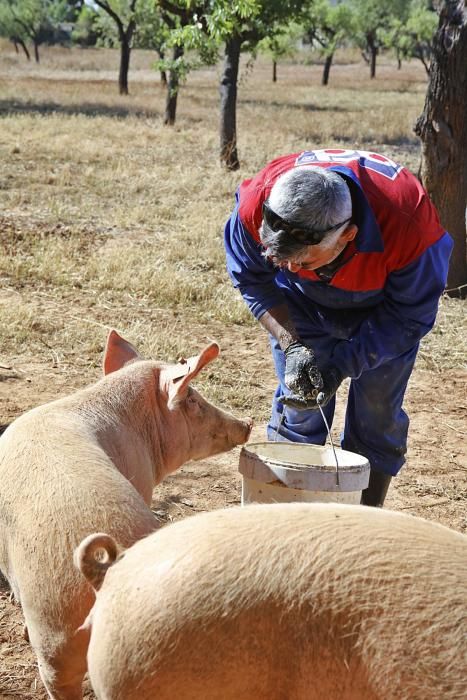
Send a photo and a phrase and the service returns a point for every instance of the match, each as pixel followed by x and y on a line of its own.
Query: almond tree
pixel 327 24
pixel 239 25
pixel 370 19
pixel 281 45
pixel 412 37
pixel 123 14
pixel 441 128
pixel 152 32
pixel 27 20
pixel 13 31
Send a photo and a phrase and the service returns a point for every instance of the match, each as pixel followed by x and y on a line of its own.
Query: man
pixel 341 257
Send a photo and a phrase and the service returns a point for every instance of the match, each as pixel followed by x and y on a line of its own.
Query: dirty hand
pixel 302 375
pixel 331 380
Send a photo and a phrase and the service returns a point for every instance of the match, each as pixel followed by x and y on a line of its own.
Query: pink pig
pixel 284 601
pixel 90 462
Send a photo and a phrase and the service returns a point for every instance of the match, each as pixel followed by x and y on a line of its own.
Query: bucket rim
pixel 316 477
pixel 362 462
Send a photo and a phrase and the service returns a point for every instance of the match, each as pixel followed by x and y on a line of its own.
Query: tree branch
pixel 102 4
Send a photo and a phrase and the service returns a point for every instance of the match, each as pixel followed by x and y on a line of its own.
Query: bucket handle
pixel 319 400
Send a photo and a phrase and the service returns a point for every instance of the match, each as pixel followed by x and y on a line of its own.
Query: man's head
pixel 306 219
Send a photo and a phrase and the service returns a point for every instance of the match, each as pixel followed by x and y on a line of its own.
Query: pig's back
pixel 56 487
pixel 264 596
pixel 51 464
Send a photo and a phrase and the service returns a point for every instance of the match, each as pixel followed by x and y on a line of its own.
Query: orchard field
pixel 109 219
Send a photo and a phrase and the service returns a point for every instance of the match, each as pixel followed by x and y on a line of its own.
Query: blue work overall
pixel 375 423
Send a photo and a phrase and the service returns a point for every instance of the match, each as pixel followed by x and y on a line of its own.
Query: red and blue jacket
pixel 396 267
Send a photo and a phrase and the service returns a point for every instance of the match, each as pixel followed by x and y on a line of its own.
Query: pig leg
pixel 61 666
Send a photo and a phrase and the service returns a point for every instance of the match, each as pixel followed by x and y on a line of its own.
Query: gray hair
pixel 313 197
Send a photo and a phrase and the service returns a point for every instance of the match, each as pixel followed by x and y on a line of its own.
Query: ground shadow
pixel 4 585
pixel 405 142
pixel 9 377
pixel 294 105
pixel 88 109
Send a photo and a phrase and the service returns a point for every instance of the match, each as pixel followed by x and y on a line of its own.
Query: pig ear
pixel 177 377
pixel 118 352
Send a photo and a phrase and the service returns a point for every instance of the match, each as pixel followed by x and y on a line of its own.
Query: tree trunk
pixel 36 51
pixel 274 71
pixel 373 50
pixel 18 41
pixel 374 53
pixel 162 72
pixel 228 107
pixel 172 89
pixel 441 128
pixel 327 69
pixel 125 52
pixel 25 48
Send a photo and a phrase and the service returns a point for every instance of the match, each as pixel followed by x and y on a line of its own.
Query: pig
pixel 296 601
pixel 89 462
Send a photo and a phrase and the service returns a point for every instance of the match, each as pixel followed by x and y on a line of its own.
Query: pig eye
pixel 190 397
pixel 192 403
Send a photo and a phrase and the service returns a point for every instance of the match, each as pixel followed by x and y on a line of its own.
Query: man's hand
pixel 302 375
pixel 331 379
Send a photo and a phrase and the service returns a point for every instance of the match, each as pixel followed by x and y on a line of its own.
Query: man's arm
pixel 251 273
pixel 254 277
pixel 403 318
pixel 278 323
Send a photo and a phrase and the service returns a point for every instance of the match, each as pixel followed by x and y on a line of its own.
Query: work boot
pixel 377 489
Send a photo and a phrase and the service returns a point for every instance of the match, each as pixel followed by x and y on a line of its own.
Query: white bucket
pixel 281 472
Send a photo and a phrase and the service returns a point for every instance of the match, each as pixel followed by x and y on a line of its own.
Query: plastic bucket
pixel 281 472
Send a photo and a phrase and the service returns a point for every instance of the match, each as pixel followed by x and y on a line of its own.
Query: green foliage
pixel 251 20
pixel 283 43
pixel 151 31
pixel 372 18
pixel 224 18
pixel 36 20
pixel 328 25
pixel 86 29
pixel 114 19
pixel 8 27
pixel 62 11
pixel 106 30
pixel 413 37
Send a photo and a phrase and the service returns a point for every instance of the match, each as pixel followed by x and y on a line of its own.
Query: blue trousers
pixel 376 426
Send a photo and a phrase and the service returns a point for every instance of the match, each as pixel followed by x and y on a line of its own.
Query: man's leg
pixel 376 426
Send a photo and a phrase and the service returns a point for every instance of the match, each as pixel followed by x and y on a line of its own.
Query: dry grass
pixel 111 219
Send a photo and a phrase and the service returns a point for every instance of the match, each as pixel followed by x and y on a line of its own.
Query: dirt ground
pixel 433 483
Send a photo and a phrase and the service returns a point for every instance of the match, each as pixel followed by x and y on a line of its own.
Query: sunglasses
pixel 301 234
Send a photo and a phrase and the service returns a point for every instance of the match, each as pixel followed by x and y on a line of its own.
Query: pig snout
pixel 221 434
pixel 247 428
pixel 236 432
